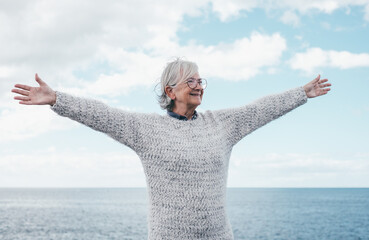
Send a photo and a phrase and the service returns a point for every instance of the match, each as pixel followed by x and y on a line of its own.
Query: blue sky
pixel 115 51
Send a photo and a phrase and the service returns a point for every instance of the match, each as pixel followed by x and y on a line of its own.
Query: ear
pixel 169 92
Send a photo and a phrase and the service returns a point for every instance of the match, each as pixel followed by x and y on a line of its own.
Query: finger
pixel 26 102
pixel 21 92
pixel 324 85
pixel 21 98
pixel 317 79
pixel 25 87
pixel 323 80
pixel 324 91
pixel 38 79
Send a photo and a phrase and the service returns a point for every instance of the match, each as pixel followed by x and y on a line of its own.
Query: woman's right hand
pixel 35 95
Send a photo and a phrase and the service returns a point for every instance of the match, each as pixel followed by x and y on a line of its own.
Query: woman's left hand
pixel 317 87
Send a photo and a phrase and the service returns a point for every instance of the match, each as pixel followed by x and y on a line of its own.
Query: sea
pixel 121 213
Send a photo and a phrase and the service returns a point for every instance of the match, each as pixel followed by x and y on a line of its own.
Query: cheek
pixel 181 93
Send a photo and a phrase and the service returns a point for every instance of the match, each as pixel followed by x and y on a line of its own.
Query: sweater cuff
pixel 58 105
pixel 302 93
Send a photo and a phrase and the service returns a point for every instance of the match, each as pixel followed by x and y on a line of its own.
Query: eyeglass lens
pixel 192 83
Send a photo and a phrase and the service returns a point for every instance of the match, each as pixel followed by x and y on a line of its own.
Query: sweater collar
pixel 181 117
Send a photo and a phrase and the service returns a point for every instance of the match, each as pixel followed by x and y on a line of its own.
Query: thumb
pixel 38 79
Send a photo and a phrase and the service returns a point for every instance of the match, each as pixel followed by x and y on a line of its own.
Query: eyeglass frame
pixel 197 82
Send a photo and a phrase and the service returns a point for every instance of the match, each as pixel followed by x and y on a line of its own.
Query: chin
pixel 196 104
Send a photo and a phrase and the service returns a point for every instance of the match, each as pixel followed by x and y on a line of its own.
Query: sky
pixel 115 51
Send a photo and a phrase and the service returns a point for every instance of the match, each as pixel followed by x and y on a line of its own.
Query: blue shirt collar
pixel 181 117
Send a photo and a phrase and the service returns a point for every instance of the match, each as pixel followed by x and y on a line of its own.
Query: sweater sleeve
pixel 118 124
pixel 243 120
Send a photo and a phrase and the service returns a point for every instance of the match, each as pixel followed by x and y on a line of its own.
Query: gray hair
pixel 174 73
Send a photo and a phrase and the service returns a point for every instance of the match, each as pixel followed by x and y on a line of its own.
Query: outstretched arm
pixel 119 124
pixel 244 120
pixel 41 95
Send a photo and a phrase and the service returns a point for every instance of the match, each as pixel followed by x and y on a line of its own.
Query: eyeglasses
pixel 193 82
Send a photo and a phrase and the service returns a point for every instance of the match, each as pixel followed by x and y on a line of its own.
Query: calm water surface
pixel 254 213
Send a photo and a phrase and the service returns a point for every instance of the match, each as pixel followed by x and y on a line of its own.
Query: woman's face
pixel 185 96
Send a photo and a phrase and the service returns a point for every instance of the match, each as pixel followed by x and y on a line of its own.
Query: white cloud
pixel 6 71
pixel 133 69
pixel 290 18
pixel 53 168
pixel 231 9
pixel 315 58
pixel 59 37
pixel 24 122
pixel 299 170
pixel 326 6
pixel 326 25
pixel 83 168
pixel 234 61
pixel 345 59
pixel 366 11
pixel 241 59
pixel 56 38
pixel 134 39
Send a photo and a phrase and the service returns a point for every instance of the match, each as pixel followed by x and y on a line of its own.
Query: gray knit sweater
pixel 185 162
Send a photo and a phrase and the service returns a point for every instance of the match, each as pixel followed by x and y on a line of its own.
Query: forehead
pixel 196 76
pixel 183 79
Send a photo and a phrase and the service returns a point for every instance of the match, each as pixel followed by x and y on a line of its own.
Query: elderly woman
pixel 185 154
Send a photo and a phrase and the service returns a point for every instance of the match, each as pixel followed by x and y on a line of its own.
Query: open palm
pixel 41 95
pixel 317 87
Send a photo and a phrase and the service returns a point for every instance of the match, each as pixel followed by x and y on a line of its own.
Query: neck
pixel 188 112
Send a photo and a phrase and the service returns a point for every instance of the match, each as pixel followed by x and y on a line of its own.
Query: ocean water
pixel 120 213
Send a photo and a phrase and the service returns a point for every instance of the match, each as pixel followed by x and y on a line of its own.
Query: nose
pixel 199 86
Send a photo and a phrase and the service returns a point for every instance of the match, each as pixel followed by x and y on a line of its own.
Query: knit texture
pixel 185 162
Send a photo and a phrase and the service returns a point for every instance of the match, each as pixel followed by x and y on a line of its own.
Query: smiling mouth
pixel 195 94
